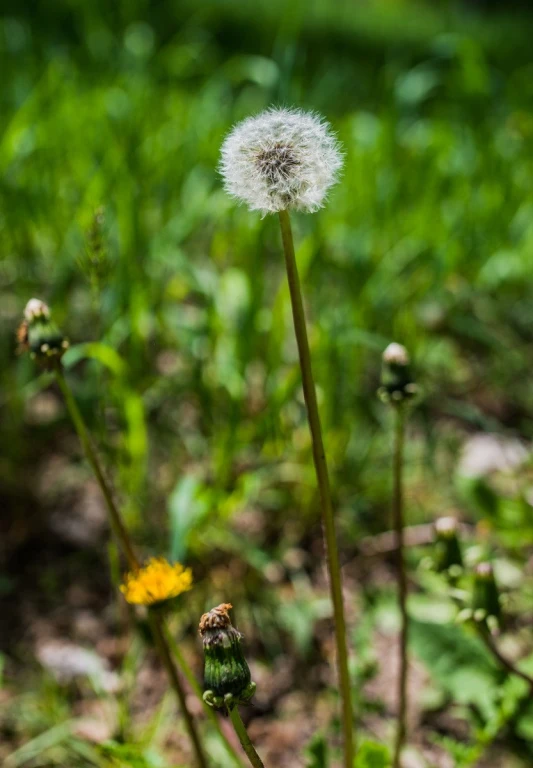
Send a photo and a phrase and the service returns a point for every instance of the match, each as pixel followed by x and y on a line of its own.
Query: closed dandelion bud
pixel 39 335
pixel 486 598
pixel 448 556
pixel 397 384
pixel 227 679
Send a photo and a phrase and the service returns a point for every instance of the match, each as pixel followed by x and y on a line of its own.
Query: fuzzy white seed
pixel 281 159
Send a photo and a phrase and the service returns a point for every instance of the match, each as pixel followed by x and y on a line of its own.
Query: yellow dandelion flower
pixel 156 582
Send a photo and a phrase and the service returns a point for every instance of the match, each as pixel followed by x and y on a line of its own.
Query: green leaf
pixel 372 755
pixel 185 508
pixel 458 662
pixel 130 756
pixel 95 350
pixel 317 752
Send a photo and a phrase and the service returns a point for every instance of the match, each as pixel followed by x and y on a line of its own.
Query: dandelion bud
pixel 281 159
pixel 396 382
pixel 227 679
pixel 448 555
pixel 35 308
pixel 486 598
pixel 39 335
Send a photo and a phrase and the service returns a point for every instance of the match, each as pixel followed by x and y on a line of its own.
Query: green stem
pixel 123 537
pixel 116 520
pixel 158 631
pixel 505 663
pixel 321 469
pixel 189 676
pixel 240 730
pixel 398 521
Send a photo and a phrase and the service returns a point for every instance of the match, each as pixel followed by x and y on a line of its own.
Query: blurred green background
pixel 183 357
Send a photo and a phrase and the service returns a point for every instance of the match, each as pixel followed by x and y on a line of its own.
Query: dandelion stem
pixel 398 521
pixel 508 665
pixel 116 520
pixel 321 469
pixel 121 532
pixel 189 676
pixel 158 631
pixel 242 733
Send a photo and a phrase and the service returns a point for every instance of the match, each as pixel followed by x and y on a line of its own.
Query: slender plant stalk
pixel 116 521
pixel 242 733
pixel 210 712
pixel 123 537
pixel 321 469
pixel 505 662
pixel 158 631
pixel 398 521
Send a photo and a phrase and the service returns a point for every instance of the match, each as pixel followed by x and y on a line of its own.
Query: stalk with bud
pixel 152 585
pixel 486 615
pixel 227 679
pixel 397 389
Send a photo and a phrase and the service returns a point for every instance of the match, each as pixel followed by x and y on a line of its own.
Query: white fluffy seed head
pixel 281 159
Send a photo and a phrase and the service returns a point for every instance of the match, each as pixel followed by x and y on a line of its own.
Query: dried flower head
pixel 281 159
pixel 227 679
pixel 215 619
pixel 156 582
pixel 38 334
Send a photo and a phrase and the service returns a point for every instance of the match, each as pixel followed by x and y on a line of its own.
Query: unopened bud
pixel 227 679
pixel 448 556
pixel 35 308
pixel 486 597
pixel 39 335
pixel 396 354
pixel 397 384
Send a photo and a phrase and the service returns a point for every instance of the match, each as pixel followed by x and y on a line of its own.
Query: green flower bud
pixel 486 598
pixel 227 679
pixel 39 336
pixel 448 556
pixel 397 384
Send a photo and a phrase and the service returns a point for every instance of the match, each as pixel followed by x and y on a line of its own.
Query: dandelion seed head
pixel 281 159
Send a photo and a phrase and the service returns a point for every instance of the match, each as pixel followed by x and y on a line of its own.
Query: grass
pixel 182 344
